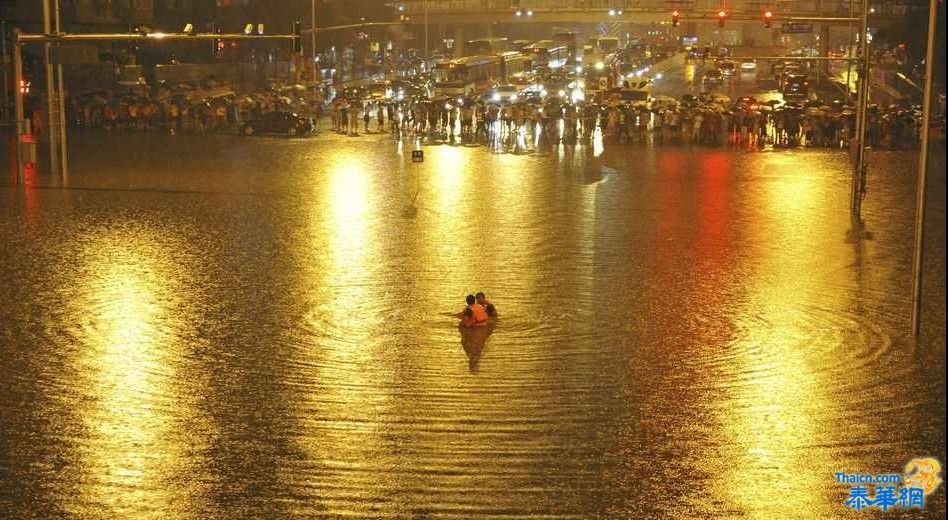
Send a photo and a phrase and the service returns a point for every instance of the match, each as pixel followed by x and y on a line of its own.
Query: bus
pixel 600 50
pixel 486 46
pixel 514 65
pixel 570 39
pixel 465 76
pixel 546 53
pixel 604 44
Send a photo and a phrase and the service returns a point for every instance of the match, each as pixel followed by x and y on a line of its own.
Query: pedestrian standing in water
pixel 366 116
pixel 487 305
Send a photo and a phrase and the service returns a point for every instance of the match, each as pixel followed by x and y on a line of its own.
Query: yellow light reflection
pixel 126 303
pixel 777 397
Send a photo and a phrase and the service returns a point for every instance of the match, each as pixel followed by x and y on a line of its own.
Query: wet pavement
pixel 219 328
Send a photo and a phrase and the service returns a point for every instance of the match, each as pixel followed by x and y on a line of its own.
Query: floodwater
pixel 225 328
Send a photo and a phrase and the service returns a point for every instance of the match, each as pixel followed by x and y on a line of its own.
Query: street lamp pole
pixel 312 40
pixel 859 169
pixel 426 35
pixel 62 104
pixel 923 169
pixel 51 131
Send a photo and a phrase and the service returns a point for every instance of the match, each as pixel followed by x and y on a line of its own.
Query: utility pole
pixel 52 132
pixel 426 35
pixel 317 76
pixel 61 97
pixel 4 62
pixel 21 125
pixel 859 169
pixel 923 169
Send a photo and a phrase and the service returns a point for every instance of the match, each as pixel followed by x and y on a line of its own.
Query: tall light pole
pixel 51 106
pixel 312 41
pixel 859 169
pixel 426 35
pixel 61 98
pixel 923 169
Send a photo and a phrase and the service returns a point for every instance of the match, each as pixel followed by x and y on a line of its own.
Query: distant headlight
pixel 600 65
pixel 496 96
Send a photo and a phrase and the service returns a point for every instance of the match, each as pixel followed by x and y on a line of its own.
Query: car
pixel 279 122
pixel 768 85
pixel 792 75
pixel 748 65
pixel 712 77
pixel 795 87
pixel 402 89
pixel 727 67
pixel 501 94
pixel 378 90
pixel 354 93
pixel 624 96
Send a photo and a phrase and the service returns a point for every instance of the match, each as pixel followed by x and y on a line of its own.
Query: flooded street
pixel 220 328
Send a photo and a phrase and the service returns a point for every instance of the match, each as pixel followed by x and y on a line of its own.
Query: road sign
pixel 417 156
pixel 796 28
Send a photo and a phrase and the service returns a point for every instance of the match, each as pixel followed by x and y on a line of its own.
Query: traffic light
pixel 675 19
pixel 298 41
pixel 768 18
pixel 722 15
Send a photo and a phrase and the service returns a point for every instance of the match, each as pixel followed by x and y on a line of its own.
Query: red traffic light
pixel 721 16
pixel 768 18
pixel 675 19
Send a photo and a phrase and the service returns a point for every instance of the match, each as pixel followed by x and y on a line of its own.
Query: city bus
pixel 546 53
pixel 466 76
pixel 604 44
pixel 514 67
pixel 600 49
pixel 570 39
pixel 486 46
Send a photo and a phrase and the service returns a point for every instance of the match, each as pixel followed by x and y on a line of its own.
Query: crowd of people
pixel 197 109
pixel 710 120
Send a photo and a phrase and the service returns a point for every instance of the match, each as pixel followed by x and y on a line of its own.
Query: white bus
pixel 546 53
pixel 515 66
pixel 466 76
pixel 486 46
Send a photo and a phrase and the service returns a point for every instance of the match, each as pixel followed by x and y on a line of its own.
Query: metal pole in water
pixel 61 95
pixel 923 170
pixel 312 42
pixel 51 106
pixel 859 171
pixel 18 116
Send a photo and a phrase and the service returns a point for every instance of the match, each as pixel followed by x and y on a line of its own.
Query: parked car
pixel 279 122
